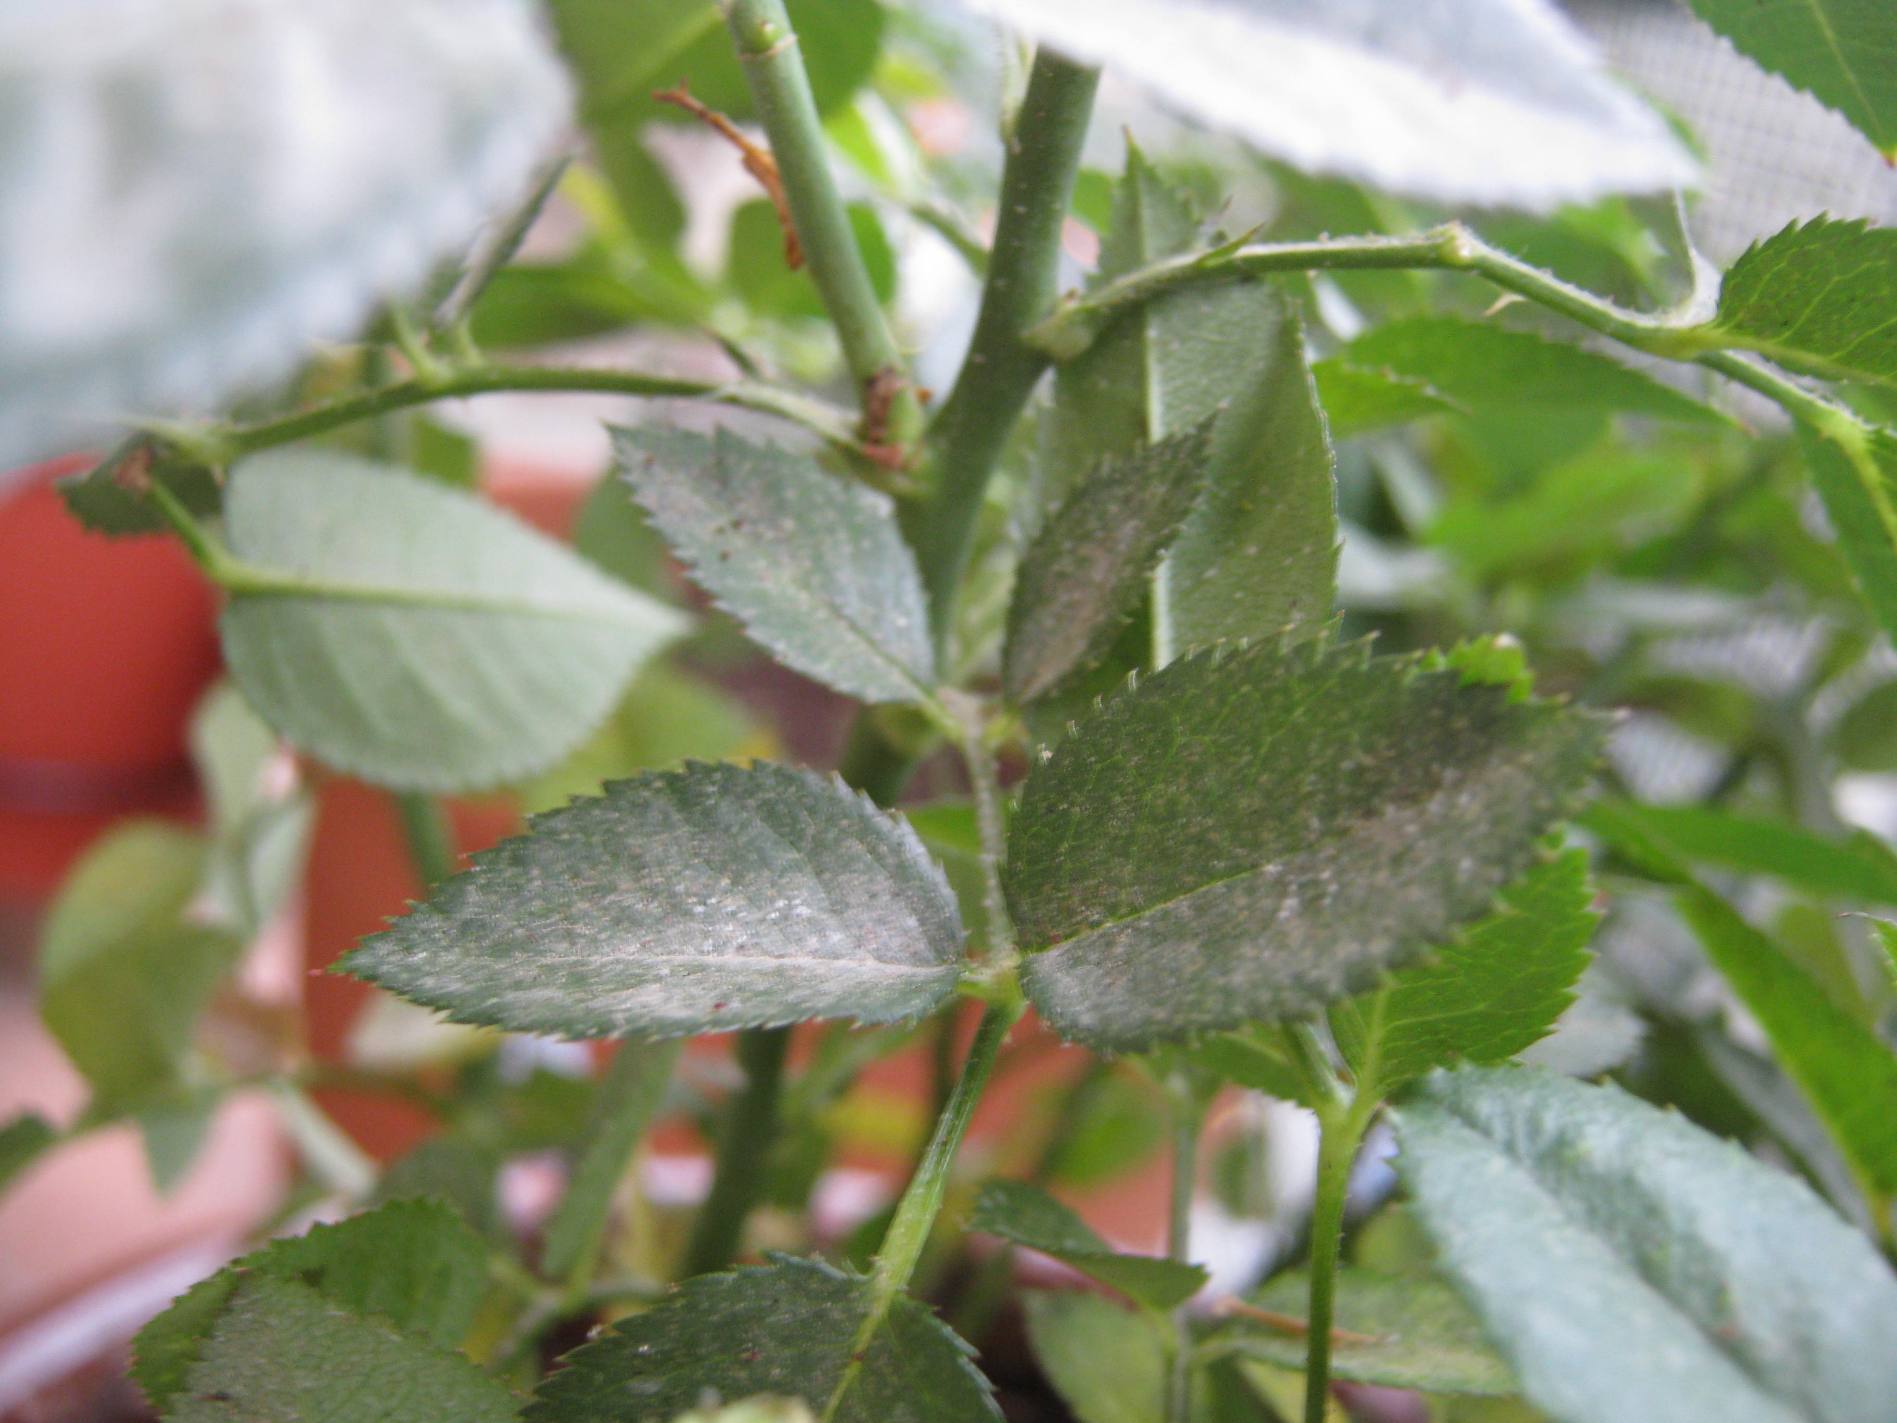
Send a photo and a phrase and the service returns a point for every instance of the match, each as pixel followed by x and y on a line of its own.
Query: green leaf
pixel 1108 1363
pixel 123 974
pixel 259 827
pixel 752 1410
pixel 413 1264
pixel 754 261
pixel 1849 1074
pixel 1524 118
pixel 1859 867
pixel 1251 834
pixel 628 1098
pixel 280 1352
pixel 1492 369
pixel 1628 1265
pixel 1489 993
pixel 693 901
pixel 811 564
pixel 173 1132
pixel 23 1139
pixel 1858 483
pixel 1887 936
pixel 1259 553
pixel 415 636
pixel 1258 556
pixel 789 1329
pixel 1865 737
pixel 1838 51
pixel 1028 1216
pixel 1405 1333
pixel 107 498
pixel 1358 399
pixel 1817 296
pixel 1085 572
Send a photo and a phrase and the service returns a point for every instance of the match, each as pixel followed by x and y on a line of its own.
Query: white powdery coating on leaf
pixel 1467 101
pixel 194 191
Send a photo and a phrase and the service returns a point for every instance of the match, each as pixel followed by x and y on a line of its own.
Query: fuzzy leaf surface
pixel 1250 835
pixel 1258 555
pixel 1490 992
pixel 413 1264
pixel 415 636
pixel 1107 1362
pixel 1859 488
pixel 1495 369
pixel 1477 101
pixel 281 1352
pixel 123 974
pixel 1841 52
pixel 1848 1072
pixel 787 1329
pixel 690 901
pixel 1630 1265
pixel 1086 570
pixel 1411 1333
pixel 812 565
pixel 1817 296
pixel 1028 1216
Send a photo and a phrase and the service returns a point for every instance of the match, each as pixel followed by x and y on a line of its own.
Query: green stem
pixel 227 443
pixel 1343 1116
pixel 1001 368
pixel 429 835
pixel 1188 1114
pixel 744 1146
pixel 768 47
pixel 921 1202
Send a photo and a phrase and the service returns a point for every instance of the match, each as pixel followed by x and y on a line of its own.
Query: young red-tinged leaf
pixel 1252 834
pixel 788 1329
pixel 1027 1215
pixel 412 1265
pixel 1490 992
pixel 1817 296
pixel 811 564
pixel 1628 1264
pixel 682 902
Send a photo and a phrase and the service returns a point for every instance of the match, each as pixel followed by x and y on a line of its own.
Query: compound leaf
pixel 692 901
pixel 1475 101
pixel 811 564
pixel 1027 1215
pixel 1629 1265
pixel 1251 834
pixel 1817 296
pixel 787 1329
pixel 1487 994
pixel 413 635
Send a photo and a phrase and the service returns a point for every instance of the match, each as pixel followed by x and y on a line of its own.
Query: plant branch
pixel 744 1147
pixel 222 444
pixel 429 835
pixel 922 1200
pixel 1001 368
pixel 1188 1115
pixel 892 412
